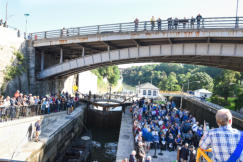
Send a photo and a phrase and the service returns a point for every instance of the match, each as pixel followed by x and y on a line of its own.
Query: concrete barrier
pixel 57 131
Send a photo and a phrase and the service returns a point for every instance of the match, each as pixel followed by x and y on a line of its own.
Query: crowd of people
pixel 164 127
pixel 28 105
pixel 172 23
pixel 3 23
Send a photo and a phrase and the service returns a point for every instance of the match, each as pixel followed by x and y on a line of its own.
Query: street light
pixel 237 5
pixel 188 83
pixel 26 22
pixel 237 19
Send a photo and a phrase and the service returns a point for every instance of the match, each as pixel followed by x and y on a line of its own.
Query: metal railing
pixel 16 112
pixel 202 153
pixel 180 24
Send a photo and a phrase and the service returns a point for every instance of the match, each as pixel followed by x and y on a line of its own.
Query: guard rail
pixel 173 24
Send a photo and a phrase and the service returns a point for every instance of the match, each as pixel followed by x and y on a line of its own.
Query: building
pixel 202 93
pixel 147 90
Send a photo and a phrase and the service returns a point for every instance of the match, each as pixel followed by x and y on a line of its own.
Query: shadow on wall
pixel 104 119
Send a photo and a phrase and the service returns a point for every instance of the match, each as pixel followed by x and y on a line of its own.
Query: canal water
pixel 104 144
pixel 104 128
pixel 105 139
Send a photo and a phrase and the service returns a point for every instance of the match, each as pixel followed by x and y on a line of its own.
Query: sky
pixel 56 14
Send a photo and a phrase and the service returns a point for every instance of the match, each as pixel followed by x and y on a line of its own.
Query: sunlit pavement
pixel 166 157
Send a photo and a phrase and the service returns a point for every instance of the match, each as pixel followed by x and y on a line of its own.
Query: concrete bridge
pixel 216 42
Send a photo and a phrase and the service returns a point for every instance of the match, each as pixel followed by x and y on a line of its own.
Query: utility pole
pixel 26 22
pixel 236 15
pixel 237 5
pixel 187 85
pixel 6 14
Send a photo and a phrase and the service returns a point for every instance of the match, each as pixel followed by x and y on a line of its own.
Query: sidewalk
pixel 126 139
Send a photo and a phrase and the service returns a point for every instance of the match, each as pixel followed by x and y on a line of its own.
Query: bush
pixel 219 101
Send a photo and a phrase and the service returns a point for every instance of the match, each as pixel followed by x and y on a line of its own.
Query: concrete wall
pixel 203 112
pixel 57 131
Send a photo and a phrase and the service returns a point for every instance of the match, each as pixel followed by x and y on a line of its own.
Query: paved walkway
pixel 126 142
pixel 126 139
pixel 166 157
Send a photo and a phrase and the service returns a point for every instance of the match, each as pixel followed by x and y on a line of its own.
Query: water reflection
pixel 104 144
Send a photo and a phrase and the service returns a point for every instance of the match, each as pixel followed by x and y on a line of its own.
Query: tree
pixel 162 83
pixel 224 84
pixel 112 73
pixel 172 83
pixel 204 81
pixel 239 102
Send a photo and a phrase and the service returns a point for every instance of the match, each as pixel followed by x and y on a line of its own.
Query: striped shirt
pixel 223 141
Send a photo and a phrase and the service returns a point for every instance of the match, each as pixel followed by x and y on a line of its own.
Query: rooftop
pixel 147 86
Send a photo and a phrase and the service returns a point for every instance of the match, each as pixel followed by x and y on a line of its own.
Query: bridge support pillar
pixel 61 55
pixel 83 52
pixel 30 51
pixel 42 60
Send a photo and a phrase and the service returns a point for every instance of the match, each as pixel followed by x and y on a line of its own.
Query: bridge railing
pixel 180 24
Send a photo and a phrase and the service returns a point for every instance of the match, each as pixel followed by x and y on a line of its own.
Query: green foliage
pixel 16 68
pixel 225 83
pixel 239 102
pixel 112 74
pixel 158 73
pixel 170 76
pixel 159 102
pixel 219 100
pixel 172 82
pixel 205 81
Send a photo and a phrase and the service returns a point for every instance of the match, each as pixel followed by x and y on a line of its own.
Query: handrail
pixel 201 153
pixel 180 24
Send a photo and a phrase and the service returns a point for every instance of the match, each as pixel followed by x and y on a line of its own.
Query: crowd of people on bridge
pixel 3 23
pixel 28 105
pixel 172 23
pixel 164 127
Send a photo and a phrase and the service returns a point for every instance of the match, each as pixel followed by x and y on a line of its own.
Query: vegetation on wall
pixel 16 68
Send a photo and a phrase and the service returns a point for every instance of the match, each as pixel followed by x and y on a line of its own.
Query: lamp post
pixel 26 22
pixel 188 85
pixel 237 5
pixel 236 15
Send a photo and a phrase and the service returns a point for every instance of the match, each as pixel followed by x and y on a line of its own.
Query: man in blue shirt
pixel 37 130
pixel 223 140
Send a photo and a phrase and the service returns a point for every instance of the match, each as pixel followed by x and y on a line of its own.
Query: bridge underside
pixel 218 62
pixel 222 48
pixel 228 56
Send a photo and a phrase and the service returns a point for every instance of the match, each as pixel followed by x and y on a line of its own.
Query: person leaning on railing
pixel 226 142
